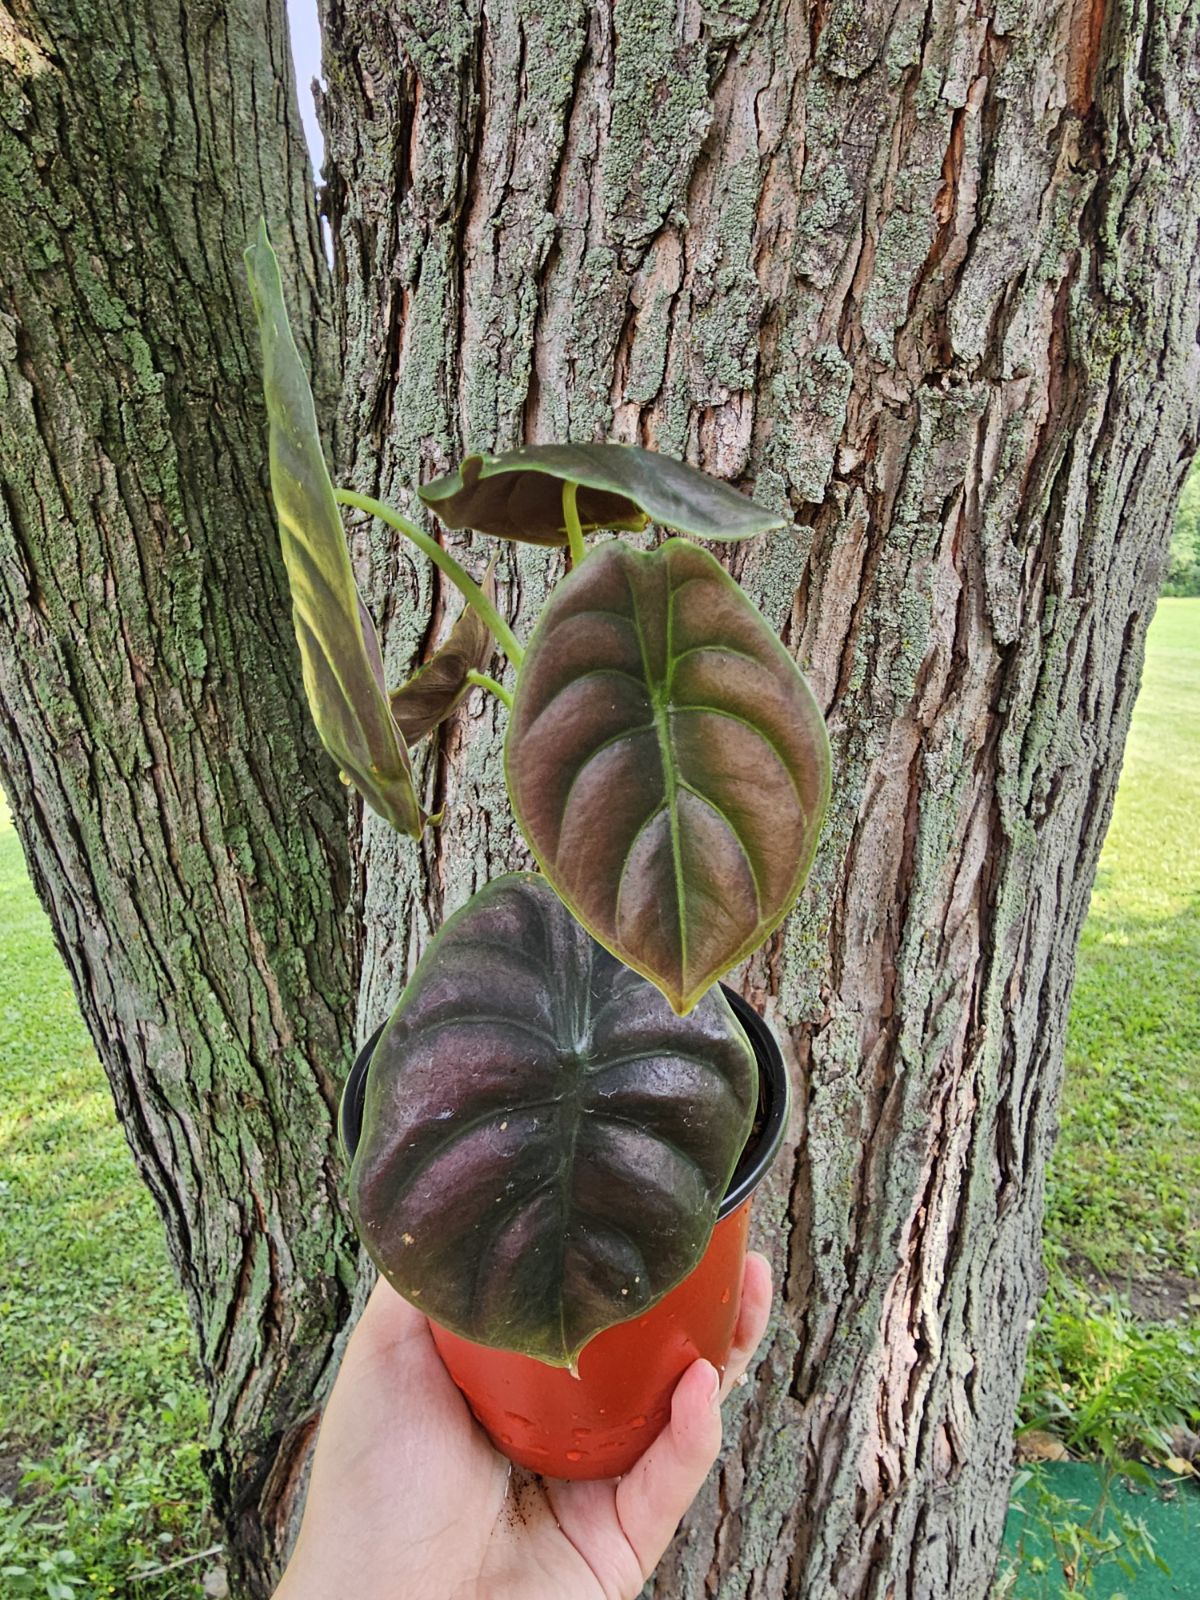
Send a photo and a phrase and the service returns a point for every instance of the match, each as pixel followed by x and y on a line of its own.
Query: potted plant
pixel 555 1135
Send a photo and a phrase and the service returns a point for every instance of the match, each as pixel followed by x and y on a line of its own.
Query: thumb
pixel 654 1495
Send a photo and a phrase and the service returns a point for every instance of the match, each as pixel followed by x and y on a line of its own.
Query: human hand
pixel 409 1500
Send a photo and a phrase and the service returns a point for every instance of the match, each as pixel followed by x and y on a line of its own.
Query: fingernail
pixel 714 1387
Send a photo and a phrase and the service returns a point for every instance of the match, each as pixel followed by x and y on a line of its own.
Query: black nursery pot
pixel 596 1425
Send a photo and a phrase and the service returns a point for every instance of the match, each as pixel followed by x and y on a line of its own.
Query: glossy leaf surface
pixel 339 653
pixel 433 692
pixel 545 1145
pixel 518 495
pixel 667 763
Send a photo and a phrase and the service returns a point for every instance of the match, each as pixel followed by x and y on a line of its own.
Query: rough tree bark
pixel 183 827
pixel 924 273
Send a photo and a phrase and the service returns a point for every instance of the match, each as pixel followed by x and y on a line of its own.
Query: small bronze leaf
pixel 545 1145
pixel 339 653
pixel 433 692
pixel 518 495
pixel 667 763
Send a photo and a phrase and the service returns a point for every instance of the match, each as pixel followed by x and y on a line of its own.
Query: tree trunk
pixel 185 831
pixel 926 275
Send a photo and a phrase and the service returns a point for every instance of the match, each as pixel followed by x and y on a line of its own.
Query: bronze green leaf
pixel 433 692
pixel 518 495
pixel 339 653
pixel 667 763
pixel 545 1145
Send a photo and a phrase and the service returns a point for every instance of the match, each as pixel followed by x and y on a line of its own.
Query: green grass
pixel 1107 1384
pixel 1125 1179
pixel 100 1412
pixel 1124 1182
pixel 1183 565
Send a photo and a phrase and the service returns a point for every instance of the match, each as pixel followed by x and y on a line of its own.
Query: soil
pixel 1160 1297
pixel 10 1473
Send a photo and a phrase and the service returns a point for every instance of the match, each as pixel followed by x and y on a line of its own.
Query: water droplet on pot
pixel 574 1455
pixel 582 1433
pixel 506 1438
pixel 638 1422
pixel 725 1298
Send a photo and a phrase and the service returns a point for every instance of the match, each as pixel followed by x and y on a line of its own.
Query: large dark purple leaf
pixel 545 1144
pixel 433 692
pixel 518 495
pixel 339 653
pixel 667 763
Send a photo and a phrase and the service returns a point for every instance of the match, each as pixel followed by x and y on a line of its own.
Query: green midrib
pixel 660 700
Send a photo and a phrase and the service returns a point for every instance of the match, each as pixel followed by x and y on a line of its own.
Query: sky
pixel 306 52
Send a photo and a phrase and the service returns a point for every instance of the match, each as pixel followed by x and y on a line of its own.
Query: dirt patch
pixel 1170 1297
pixel 1161 1297
pixel 10 1474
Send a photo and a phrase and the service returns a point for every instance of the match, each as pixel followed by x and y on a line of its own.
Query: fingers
pixel 653 1497
pixel 753 1314
pixel 651 1500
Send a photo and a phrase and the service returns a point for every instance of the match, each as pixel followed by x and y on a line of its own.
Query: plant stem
pixel 570 494
pixel 481 680
pixel 461 579
pixel 183 1561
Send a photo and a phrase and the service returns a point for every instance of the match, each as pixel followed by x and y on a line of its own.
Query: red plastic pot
pixel 597 1425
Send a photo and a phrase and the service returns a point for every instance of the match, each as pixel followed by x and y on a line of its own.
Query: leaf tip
pixel 260 244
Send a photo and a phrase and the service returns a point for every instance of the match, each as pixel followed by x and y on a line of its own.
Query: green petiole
pixel 461 579
pixel 570 494
pixel 481 680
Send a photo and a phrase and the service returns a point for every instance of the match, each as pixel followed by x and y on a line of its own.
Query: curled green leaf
pixel 339 653
pixel 519 495
pixel 667 763
pixel 434 691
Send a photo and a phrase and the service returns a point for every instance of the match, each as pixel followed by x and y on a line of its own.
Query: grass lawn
pixel 100 1413
pixel 1125 1180
pixel 1114 1364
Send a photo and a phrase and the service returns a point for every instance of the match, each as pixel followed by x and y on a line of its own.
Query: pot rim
pixel 774 1090
pixel 775 1103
